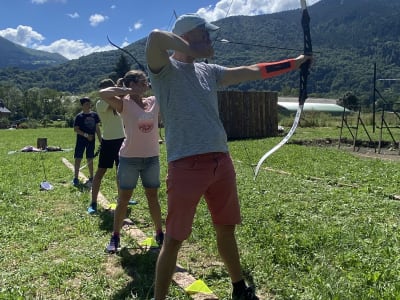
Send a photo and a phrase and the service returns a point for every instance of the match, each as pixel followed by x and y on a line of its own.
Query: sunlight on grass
pixel 318 223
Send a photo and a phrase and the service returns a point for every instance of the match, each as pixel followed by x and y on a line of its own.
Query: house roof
pixel 3 109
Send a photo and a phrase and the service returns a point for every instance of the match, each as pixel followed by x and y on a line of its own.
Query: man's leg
pixel 77 165
pixel 154 207
pixel 90 167
pixel 165 268
pixel 228 250
pixel 97 182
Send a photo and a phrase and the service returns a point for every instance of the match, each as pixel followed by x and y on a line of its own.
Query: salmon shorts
pixel 211 175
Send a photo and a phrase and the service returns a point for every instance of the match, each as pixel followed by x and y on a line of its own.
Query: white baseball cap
pixel 188 22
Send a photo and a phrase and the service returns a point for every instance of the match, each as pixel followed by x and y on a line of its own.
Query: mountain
pixel 13 55
pixel 349 37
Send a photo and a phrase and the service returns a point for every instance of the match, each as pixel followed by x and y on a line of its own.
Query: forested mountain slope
pixel 13 55
pixel 349 37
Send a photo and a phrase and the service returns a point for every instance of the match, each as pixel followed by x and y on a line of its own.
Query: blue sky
pixel 76 28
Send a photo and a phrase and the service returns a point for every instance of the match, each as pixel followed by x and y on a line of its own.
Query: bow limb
pixel 304 71
pixel 285 139
pixel 305 67
pixel 141 67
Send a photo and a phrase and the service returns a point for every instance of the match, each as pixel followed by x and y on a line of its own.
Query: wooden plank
pixel 100 198
pixel 182 277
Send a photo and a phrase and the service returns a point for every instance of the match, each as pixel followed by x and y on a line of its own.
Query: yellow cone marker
pixel 149 242
pixel 112 206
pixel 198 287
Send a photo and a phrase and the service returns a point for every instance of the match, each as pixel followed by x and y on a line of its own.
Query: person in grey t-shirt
pixel 198 160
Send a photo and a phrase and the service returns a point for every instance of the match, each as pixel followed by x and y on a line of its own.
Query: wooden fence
pixel 249 114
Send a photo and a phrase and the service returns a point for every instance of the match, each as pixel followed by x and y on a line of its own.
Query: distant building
pixel 3 110
pixel 290 104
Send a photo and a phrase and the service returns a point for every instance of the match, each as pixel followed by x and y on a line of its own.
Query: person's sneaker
pixel 89 182
pixel 127 221
pixel 113 246
pixel 132 202
pixel 75 181
pixel 160 238
pixel 92 209
pixel 247 294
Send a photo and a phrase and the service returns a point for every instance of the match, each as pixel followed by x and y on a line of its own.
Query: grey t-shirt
pixel 187 94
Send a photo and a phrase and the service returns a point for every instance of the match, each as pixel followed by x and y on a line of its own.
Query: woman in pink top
pixel 139 153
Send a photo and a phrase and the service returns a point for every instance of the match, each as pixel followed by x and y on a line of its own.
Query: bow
pixel 304 71
pixel 141 67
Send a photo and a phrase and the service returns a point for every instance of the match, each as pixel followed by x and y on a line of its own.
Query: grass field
pixel 319 223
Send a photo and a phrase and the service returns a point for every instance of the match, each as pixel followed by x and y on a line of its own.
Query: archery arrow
pixel 304 72
pixel 225 41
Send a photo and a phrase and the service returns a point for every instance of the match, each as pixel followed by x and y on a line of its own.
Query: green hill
pixel 348 38
pixel 13 55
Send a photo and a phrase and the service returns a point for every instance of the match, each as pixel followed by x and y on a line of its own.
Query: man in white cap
pixel 199 163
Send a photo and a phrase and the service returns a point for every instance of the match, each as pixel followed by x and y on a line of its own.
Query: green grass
pixel 319 224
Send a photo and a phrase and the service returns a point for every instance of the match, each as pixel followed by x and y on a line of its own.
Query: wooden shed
pixel 249 114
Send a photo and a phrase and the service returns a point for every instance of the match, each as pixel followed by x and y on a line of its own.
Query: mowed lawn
pixel 318 223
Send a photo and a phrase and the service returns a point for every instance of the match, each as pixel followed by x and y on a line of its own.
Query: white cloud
pixel 22 35
pixel 73 49
pixel 74 15
pixel 45 1
pixel 136 26
pixel 125 43
pixel 226 8
pixel 96 19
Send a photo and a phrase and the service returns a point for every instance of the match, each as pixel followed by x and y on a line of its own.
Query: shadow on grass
pixel 107 219
pixel 81 187
pixel 138 264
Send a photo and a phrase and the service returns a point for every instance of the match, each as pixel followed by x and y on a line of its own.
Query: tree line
pixel 37 106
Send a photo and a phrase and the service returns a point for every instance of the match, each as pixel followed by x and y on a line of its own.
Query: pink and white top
pixel 141 128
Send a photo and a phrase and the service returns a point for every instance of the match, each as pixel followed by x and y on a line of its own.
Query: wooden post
pixel 42 143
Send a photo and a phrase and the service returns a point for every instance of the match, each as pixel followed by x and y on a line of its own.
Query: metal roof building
pixel 290 104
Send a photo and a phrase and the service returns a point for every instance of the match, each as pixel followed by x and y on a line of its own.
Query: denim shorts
pixel 130 168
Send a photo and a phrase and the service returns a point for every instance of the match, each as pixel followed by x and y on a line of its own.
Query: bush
pixel 4 123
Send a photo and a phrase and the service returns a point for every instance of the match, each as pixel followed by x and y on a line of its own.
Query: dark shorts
pixel 211 175
pixel 81 146
pixel 109 153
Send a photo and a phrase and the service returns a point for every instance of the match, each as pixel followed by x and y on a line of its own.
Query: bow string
pixel 304 72
pixel 141 67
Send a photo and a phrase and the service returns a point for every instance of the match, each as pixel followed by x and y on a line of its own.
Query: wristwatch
pixel 85 135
